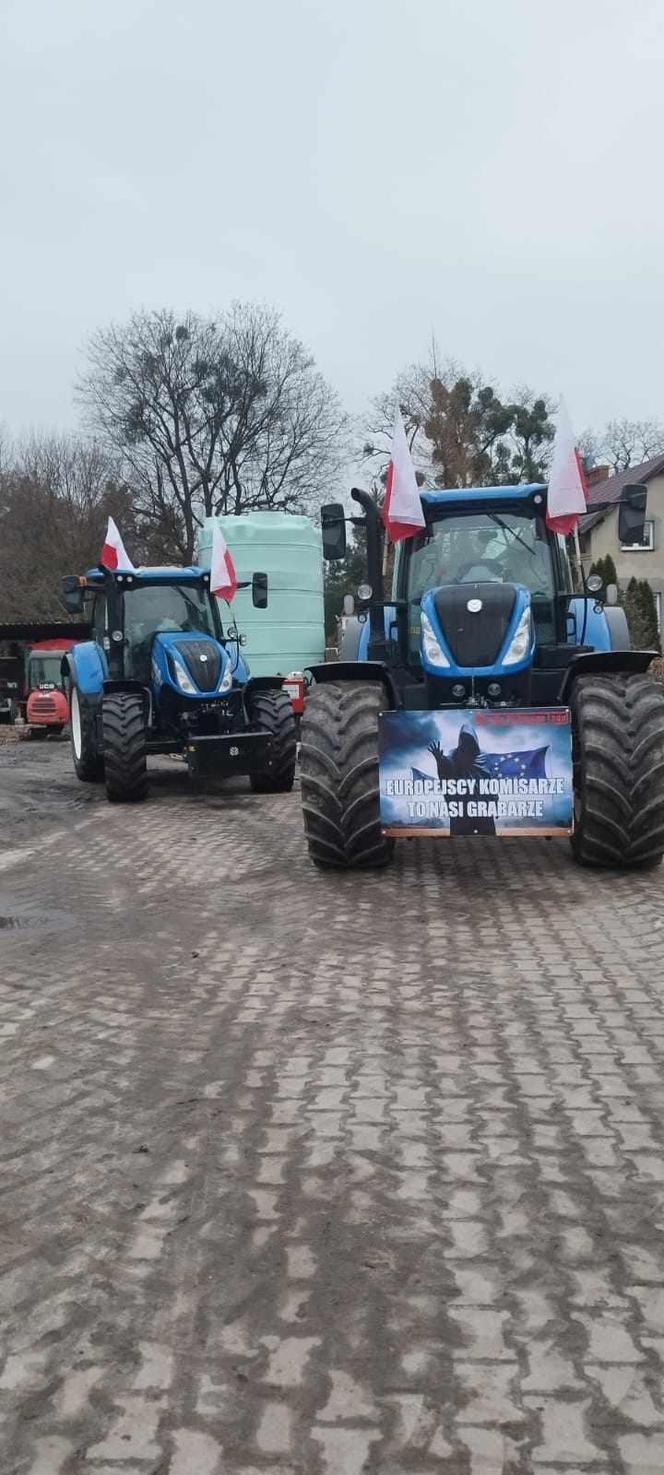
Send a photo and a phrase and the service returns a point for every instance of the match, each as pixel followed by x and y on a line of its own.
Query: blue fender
pixel 241 672
pixel 597 633
pixel 388 622
pixel 86 667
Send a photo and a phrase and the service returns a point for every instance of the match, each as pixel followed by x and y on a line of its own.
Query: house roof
pixel 611 490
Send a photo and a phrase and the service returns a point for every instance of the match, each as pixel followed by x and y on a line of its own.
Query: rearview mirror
pixel 259 591
pixel 632 515
pixel 333 522
pixel 73 594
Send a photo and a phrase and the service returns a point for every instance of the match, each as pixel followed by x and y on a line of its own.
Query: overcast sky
pixel 380 171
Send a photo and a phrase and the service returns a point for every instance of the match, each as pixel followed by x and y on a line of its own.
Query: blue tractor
pixel 494 692
pixel 162 675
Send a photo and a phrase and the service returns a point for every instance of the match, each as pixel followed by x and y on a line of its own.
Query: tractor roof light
pixel 433 652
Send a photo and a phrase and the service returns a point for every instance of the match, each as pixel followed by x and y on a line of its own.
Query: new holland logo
pixel 474 606
pixel 204 658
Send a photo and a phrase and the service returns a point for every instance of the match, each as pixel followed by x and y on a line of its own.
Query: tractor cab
pixel 44 671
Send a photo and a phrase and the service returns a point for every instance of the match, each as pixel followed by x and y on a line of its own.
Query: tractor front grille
pixel 43 705
pixel 203 662
pixel 475 637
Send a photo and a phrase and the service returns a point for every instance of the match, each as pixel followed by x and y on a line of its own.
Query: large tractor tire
pixel 125 763
pixel 339 769
pixel 272 712
pixel 618 740
pixel 88 761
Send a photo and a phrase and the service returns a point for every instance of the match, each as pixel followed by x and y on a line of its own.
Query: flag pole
pixel 577 550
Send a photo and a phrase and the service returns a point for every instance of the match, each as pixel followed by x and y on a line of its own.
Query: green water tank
pixel 290 633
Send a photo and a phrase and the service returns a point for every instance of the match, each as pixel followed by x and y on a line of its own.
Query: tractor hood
pixel 192 664
pixel 470 629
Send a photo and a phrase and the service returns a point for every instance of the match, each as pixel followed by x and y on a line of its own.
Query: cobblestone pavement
pixel 313 1175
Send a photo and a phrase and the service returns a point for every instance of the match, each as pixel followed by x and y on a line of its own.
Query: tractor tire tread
pixel 618 732
pixel 272 712
pixel 339 769
pixel 123 718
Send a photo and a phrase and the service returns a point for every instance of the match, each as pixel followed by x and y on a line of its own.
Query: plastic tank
pixel 290 633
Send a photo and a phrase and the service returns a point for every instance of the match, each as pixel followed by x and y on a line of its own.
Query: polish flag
pixel 114 554
pixel 402 508
pixel 223 578
pixel 566 498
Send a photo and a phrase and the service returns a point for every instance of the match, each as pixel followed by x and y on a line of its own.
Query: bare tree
pixel 626 443
pixel 56 493
pixel 213 414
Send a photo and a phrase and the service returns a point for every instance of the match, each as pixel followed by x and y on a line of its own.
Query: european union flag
pixel 528 764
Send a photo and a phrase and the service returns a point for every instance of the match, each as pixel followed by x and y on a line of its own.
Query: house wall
pixel 603 539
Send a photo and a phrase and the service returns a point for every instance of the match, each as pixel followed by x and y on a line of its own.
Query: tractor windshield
pixel 44 671
pixel 150 608
pixel 484 547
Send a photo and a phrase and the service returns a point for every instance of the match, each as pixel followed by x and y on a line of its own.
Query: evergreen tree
pixel 641 612
pixel 649 616
pixel 606 569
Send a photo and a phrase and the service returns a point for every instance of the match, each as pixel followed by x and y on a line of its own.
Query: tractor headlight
pixel 520 642
pixel 430 644
pixel 184 680
pixel 227 679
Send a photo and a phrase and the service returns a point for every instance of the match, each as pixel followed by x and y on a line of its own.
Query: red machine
pixel 31 690
pixel 46 707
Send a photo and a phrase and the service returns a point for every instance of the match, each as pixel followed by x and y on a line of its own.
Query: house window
pixel 648 543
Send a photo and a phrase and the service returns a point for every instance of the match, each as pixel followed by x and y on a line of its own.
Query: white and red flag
pixel 114 554
pixel 402 508
pixel 566 497
pixel 223 578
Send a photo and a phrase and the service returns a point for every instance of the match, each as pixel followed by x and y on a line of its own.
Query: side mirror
pixel 259 591
pixel 73 595
pixel 632 515
pixel 333 523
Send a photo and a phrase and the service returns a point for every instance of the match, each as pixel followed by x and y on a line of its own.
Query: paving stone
pixel 273 1435
pixel 642 1454
pixel 345 1451
pixel 194 1450
pixel 564 1439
